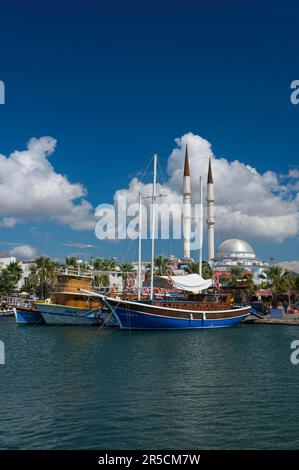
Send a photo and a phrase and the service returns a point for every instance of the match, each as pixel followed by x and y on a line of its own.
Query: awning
pixel 189 282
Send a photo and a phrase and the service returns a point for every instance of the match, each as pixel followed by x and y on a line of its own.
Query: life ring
pixel 130 283
pixel 168 272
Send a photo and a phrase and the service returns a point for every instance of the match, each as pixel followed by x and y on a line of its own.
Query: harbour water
pixel 81 388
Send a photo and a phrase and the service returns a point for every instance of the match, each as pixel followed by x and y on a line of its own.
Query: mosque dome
pixel 235 248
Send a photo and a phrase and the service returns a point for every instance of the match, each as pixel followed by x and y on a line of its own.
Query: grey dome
pixel 234 245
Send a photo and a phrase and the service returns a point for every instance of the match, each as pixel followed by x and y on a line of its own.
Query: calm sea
pixel 78 388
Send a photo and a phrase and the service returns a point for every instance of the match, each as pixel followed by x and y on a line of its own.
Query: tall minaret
pixel 186 207
pixel 211 214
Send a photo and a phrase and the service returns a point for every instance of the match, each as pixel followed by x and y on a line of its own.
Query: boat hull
pixel 28 317
pixel 144 316
pixel 62 315
pixel 7 313
pixel 139 320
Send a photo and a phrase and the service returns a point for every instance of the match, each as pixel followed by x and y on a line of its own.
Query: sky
pixel 93 88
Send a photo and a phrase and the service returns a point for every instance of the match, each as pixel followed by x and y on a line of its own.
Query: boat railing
pixel 75 272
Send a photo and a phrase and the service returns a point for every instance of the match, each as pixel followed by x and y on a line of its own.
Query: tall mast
pixel 153 227
pixel 139 246
pixel 200 227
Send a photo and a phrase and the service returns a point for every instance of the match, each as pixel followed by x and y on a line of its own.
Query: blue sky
pixel 114 81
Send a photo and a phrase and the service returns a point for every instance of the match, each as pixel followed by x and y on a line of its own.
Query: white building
pixel 5 260
pixel 26 267
pixel 235 252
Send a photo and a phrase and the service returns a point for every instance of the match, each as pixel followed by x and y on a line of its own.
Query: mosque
pixel 235 252
pixel 232 252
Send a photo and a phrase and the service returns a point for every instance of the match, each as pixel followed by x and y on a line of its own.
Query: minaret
pixel 186 207
pixel 211 214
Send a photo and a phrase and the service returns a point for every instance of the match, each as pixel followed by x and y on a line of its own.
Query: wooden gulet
pixel 171 314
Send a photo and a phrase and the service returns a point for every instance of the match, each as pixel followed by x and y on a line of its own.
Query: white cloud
pixel 291 265
pixel 249 204
pixel 8 222
pixel 30 188
pixel 25 252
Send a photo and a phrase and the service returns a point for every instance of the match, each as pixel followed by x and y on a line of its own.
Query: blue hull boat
pixel 62 315
pixel 6 313
pixel 25 316
pixel 140 315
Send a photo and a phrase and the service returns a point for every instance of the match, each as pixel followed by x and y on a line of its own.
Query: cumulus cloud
pixel 249 204
pixel 8 222
pixel 30 188
pixel 26 252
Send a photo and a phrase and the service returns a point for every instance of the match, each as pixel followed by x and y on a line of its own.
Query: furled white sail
pixel 190 282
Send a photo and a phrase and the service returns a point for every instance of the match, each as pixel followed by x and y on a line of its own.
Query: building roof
pixel 234 245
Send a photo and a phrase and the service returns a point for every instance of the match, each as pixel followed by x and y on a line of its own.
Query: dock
pixel 273 321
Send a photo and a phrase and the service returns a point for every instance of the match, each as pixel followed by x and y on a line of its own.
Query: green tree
pixel 15 271
pixel 126 270
pixel 249 286
pixel 71 261
pixel 278 280
pixel 237 275
pixel 161 264
pixel 7 283
pixel 104 267
pixel 43 276
pixel 241 283
pixel 296 283
pixel 193 268
pixel 104 264
pixel 224 280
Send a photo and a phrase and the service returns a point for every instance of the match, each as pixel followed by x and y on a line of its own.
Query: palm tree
pixel 7 284
pixel 15 271
pixel 278 280
pixel 126 269
pixel 242 284
pixel 71 261
pixel 161 264
pixel 193 268
pixel 249 287
pixel 104 266
pixel 224 280
pixel 43 276
pixel 237 274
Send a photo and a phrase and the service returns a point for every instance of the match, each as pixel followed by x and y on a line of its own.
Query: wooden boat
pixel 178 313
pixel 28 315
pixel 68 305
pixel 7 312
pixel 175 314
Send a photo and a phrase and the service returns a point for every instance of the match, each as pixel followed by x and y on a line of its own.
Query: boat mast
pixel 153 227
pixel 200 227
pixel 139 246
